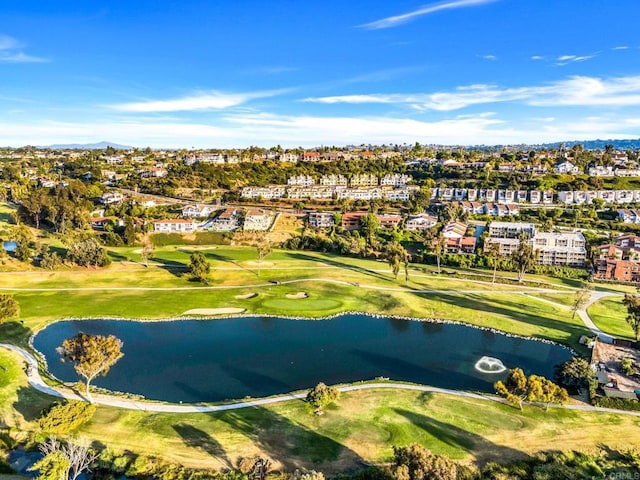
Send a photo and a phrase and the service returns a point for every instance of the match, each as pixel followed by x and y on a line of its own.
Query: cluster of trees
pixel 517 388
pixel 321 396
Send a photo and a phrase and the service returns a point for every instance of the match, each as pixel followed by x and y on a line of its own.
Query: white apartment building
pixel 268 193
pixel 560 249
pixel 364 180
pixel 333 180
pixel 176 225
pixel 301 181
pixel 321 219
pixel 511 229
pixel 395 180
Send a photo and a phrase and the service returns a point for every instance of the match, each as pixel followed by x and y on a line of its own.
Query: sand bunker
pixel 213 311
pixel 246 296
pixel 253 263
pixel 297 295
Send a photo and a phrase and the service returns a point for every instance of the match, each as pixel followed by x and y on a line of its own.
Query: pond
pixel 214 360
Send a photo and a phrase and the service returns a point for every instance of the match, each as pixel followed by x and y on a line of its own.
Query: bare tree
pixel 64 460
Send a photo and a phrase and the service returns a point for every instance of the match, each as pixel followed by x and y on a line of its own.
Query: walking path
pixel 584 316
pixel 36 381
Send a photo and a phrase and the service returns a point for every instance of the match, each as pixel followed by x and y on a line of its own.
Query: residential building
pixel 600 171
pixel 197 211
pixel 629 216
pixel 454 230
pixel 111 197
pixel 334 180
pixel 458 245
pixel 321 219
pixel 389 220
pixel 395 180
pixel 511 229
pixel 227 220
pixel 566 168
pixel 560 249
pixel 351 220
pixel 257 220
pixel 267 193
pixel 364 180
pixel 618 270
pixel 301 180
pixel 177 225
pixel 420 221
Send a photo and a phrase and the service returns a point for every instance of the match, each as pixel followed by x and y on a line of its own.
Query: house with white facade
pixel 197 211
pixel 566 168
pixel 395 180
pixel 420 221
pixel 257 220
pixel 176 225
pixel 301 181
pixel 321 219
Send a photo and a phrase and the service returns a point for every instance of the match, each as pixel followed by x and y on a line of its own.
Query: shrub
pixel 628 366
pixel 62 418
pixel 50 261
pixel 617 403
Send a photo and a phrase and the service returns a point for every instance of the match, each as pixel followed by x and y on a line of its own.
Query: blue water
pixel 215 360
pixel 9 246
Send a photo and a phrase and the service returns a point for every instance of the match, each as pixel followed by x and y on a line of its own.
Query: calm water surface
pixel 214 360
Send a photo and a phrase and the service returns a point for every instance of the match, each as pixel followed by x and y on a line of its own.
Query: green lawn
pixel 609 315
pixel 165 290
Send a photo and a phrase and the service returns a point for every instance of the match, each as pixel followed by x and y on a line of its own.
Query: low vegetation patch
pixel 64 417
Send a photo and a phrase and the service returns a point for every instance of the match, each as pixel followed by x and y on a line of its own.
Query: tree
pixel 580 300
pixel 632 302
pixel 417 463
pixel 63 461
pixel 129 234
pixel 321 395
pixel 369 226
pixel 88 252
pixel 524 257
pixel 517 388
pixel 396 255
pixel 574 374
pixel 437 246
pixel 92 355
pixel 148 249
pixel 199 267
pixel 492 251
pixel 263 248
pixel 8 307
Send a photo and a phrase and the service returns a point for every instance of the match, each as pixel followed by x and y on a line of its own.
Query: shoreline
pixel 202 318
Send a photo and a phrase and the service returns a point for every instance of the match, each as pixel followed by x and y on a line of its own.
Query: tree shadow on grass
pixel 454 437
pixel 15 332
pixel 342 265
pixel 31 403
pixel 295 446
pixel 177 269
pixel 195 438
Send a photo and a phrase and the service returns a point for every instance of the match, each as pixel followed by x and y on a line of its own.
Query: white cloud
pixel 305 130
pixel 489 57
pixel 396 20
pixel 566 59
pixel 573 91
pixel 204 101
pixel 11 52
pixel 620 47
pixel 537 57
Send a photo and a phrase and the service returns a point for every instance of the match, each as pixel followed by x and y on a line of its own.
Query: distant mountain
pixel 624 144
pixel 88 146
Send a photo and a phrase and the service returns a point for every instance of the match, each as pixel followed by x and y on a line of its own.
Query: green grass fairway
pixel 609 315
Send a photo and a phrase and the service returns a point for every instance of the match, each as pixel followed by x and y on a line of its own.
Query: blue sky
pixel 234 73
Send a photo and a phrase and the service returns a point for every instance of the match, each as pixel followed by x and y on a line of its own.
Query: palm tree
pixel 492 251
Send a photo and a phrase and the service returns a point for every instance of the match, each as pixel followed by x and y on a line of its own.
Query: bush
pixel 50 261
pixel 628 366
pixel 88 253
pixel 617 403
pixel 62 418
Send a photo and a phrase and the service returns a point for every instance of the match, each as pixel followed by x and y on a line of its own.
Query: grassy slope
pixel 361 428
pixel 609 316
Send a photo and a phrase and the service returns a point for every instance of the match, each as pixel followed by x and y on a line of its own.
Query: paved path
pixel 584 316
pixel 36 381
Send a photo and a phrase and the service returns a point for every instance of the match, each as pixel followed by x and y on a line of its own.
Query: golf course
pixel 363 425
